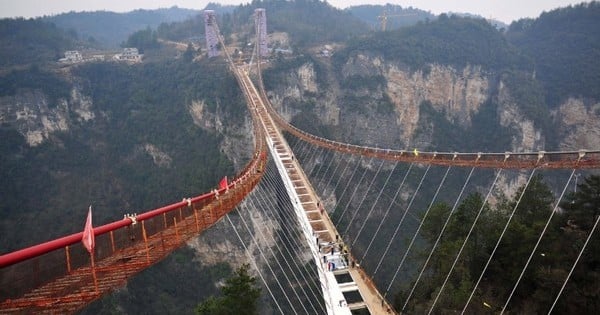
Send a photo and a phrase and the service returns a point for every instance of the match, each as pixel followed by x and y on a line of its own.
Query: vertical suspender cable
pixel 387 211
pixel 364 197
pixel 374 203
pixel 387 248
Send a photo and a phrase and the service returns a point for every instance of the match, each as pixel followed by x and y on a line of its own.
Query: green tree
pixel 240 296
pixel 142 40
pixel 189 53
pixel 583 206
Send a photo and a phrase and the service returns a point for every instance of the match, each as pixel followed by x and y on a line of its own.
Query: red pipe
pixel 44 248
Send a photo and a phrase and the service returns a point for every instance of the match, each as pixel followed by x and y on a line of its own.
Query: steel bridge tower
pixel 210 28
pixel 260 22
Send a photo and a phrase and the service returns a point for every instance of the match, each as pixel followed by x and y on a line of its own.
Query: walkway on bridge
pixel 329 250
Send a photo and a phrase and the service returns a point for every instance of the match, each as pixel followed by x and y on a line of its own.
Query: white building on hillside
pixel 129 55
pixel 72 56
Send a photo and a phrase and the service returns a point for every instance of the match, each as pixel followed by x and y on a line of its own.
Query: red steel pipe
pixel 44 248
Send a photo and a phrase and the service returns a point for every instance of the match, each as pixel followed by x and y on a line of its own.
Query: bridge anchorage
pixel 55 277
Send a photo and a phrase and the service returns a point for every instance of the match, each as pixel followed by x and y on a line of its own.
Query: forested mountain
pixel 127 138
pixel 453 41
pixel 308 23
pixel 26 41
pixel 110 29
pixel 565 49
pixel 396 15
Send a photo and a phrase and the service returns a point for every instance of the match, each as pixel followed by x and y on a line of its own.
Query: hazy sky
pixel 503 10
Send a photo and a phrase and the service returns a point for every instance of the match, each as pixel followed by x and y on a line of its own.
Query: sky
pixel 503 10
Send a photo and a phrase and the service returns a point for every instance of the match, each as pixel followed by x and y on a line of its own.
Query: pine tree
pixel 240 296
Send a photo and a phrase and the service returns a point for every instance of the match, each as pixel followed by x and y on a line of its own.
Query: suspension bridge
pixel 356 212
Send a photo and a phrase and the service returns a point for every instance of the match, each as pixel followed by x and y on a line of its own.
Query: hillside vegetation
pixel 453 41
pixel 143 148
pixel 564 45
pixel 26 41
pixel 110 29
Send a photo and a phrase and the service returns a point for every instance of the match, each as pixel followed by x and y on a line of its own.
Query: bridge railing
pixel 33 266
pixel 515 160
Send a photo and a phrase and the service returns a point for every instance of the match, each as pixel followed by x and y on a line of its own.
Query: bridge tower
pixel 210 28
pixel 260 22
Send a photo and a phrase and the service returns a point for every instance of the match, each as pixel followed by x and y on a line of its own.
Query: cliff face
pixel 457 94
pixel 579 124
pixel 237 141
pixel 31 115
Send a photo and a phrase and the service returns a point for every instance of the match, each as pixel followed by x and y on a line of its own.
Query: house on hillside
pixel 71 56
pixel 130 55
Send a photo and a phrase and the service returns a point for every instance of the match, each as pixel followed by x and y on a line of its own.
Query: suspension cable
pixel 274 256
pixel 341 180
pixel 356 185
pixel 251 257
pixel 412 199
pixel 345 188
pixel 316 153
pixel 387 211
pixel 318 177
pixel 268 182
pixel 462 247
pixel 412 241
pixel 374 204
pixel 321 181
pixel 538 242
pixel 364 197
pixel 337 165
pixel 499 240
pixel 437 241
pixel 262 254
pixel 575 264
pixel 301 153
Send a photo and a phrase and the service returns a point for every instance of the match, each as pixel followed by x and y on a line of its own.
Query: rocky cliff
pixel 457 94
pixel 30 113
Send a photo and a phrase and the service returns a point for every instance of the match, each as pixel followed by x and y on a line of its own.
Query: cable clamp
pixel 132 217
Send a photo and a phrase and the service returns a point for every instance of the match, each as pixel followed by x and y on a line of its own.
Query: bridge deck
pixel 331 248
